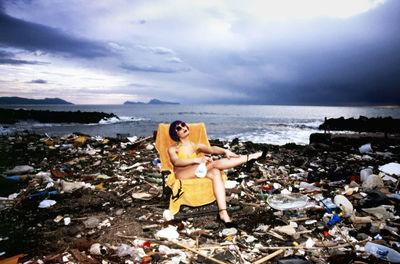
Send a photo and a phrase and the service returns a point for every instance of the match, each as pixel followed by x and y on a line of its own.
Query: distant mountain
pixel 152 101
pixel 20 100
pixel 129 102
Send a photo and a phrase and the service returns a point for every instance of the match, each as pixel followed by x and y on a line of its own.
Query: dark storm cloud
pixel 17 62
pixel 354 61
pixel 159 69
pixel 9 58
pixel 29 36
pixel 40 81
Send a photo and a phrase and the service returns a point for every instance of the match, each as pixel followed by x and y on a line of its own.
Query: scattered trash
pixel 365 148
pixel 91 222
pixel 47 203
pixel 126 250
pixel 98 249
pixel 383 252
pixel 169 233
pixel 340 200
pixel 392 168
pixel 287 201
pixel 105 200
pixel 21 169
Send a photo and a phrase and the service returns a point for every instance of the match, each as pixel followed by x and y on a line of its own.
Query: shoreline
pixel 12 116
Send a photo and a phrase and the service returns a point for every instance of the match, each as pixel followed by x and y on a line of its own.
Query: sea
pixel 270 124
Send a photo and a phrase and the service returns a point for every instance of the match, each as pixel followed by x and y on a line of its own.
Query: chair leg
pixel 164 174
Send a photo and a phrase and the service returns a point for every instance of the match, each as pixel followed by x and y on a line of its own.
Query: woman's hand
pixel 203 159
pixel 229 154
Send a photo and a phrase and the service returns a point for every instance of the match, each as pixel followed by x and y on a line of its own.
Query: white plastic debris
pixel 47 203
pixel 67 220
pixel 310 222
pixel 391 168
pixel 97 249
pixel 229 231
pixel 230 184
pixel 364 173
pixel 91 222
pixel 164 250
pixel 250 239
pixel 21 169
pixel 340 200
pixel 124 167
pixel 167 215
pixel 262 228
pixel 126 250
pixel 132 139
pixel 310 243
pixel 288 230
pixel 365 148
pixel 149 147
pixel 69 187
pixel 382 212
pixel 169 233
pixel 309 187
pixel 277 185
pixel 373 181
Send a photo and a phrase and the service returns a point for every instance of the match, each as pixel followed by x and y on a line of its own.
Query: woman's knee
pixel 213 173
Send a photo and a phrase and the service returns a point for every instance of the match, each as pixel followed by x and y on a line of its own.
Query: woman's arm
pixel 177 162
pixel 216 150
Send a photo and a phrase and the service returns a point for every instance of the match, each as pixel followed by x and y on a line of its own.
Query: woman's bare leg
pixel 224 164
pixel 219 192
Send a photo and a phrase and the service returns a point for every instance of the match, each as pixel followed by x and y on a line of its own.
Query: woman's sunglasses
pixel 180 126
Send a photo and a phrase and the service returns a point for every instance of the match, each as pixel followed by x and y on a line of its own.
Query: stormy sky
pixel 290 52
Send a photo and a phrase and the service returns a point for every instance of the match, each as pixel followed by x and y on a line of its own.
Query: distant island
pixel 20 100
pixel 152 101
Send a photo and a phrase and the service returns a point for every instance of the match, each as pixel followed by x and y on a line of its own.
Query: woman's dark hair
pixel 172 131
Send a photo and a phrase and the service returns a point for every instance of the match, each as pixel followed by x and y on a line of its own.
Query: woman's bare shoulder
pixel 172 147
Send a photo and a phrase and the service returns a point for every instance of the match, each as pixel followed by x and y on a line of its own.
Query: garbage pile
pixel 86 199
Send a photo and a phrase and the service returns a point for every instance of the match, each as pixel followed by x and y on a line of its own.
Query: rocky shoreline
pixel 362 124
pixel 12 116
pixel 110 203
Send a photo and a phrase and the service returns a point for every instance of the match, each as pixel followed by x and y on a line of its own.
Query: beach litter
pixel 84 199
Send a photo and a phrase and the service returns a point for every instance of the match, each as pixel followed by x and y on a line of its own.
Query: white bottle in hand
pixel 201 170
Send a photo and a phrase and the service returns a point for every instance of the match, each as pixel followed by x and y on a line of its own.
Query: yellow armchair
pixel 195 192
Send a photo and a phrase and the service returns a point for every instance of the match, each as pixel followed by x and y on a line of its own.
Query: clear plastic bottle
pixel 383 252
pixel 201 170
pixel 393 195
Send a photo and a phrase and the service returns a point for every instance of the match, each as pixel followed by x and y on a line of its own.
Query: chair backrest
pixel 197 134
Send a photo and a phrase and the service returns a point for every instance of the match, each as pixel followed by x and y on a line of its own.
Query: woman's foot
pixel 251 158
pixel 224 218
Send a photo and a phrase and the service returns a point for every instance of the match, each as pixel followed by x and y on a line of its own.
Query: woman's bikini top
pixel 183 155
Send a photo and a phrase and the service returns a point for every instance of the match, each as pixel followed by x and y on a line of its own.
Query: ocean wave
pixel 4 131
pixel 192 113
pixel 272 137
pixel 121 119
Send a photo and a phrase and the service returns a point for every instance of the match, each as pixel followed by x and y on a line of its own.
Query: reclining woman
pixel 184 157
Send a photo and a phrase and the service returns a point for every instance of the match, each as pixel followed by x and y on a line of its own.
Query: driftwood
pixel 199 253
pixel 270 256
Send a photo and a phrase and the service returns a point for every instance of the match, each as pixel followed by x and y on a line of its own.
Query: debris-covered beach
pixel 90 199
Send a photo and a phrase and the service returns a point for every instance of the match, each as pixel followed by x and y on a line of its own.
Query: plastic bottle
pixel 364 174
pixel 201 170
pixel 330 206
pixel 393 195
pixel 383 252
